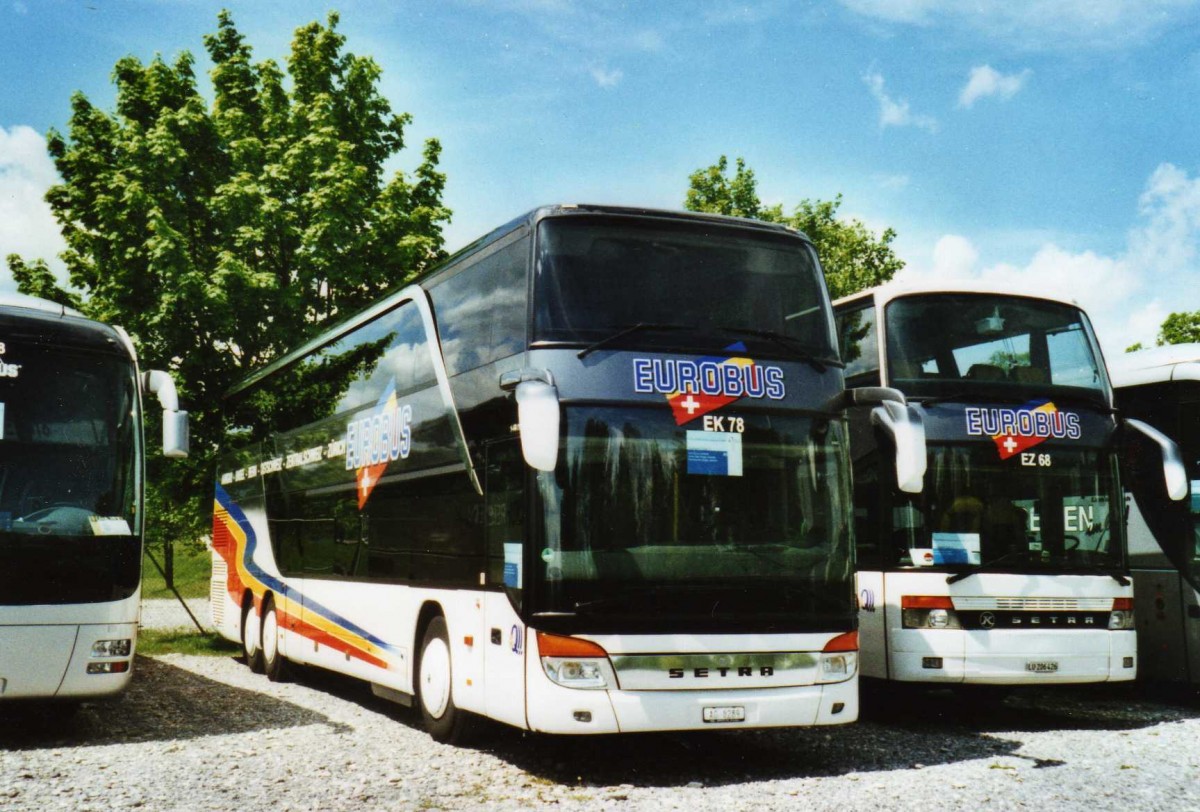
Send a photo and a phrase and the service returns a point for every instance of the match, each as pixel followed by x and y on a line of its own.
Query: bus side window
pixel 481 310
pixel 859 344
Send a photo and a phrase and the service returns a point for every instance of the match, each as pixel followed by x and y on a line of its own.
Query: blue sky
pixel 1043 144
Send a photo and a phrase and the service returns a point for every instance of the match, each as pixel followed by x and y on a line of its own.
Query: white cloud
pixel 26 225
pixel 607 78
pixel 893 182
pixel 1127 295
pixel 1038 24
pixel 896 112
pixel 985 81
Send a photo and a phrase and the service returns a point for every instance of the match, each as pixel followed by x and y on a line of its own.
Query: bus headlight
pixel 839 659
pixel 928 612
pixel 1122 614
pixel 837 666
pixel 111 648
pixel 575 663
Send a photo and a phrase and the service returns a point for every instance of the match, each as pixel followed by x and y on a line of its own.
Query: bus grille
pixel 216 591
pixel 982 603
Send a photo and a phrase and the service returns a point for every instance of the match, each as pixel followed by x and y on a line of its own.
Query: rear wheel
pixel 274 663
pixel 442 719
pixel 251 638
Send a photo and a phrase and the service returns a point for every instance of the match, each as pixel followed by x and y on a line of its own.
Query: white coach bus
pixel 1162 387
pixel 1010 566
pixel 589 476
pixel 71 500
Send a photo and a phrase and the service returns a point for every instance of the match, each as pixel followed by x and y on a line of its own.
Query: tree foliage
pixel 852 256
pixel 221 234
pixel 1180 328
pixel 36 279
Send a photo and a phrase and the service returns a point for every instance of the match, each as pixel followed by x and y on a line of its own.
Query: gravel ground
pixel 204 733
pixel 168 613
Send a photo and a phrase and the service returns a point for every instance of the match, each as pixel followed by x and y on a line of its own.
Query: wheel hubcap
pixel 435 678
pixel 270 636
pixel 250 635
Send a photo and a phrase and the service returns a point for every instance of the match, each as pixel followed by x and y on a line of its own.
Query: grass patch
pixel 174 641
pixel 192 572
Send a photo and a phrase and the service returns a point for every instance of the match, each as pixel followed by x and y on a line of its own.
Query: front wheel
pixel 444 721
pixel 251 637
pixel 274 663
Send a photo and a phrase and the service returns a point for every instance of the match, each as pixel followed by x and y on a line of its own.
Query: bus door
pixel 505 632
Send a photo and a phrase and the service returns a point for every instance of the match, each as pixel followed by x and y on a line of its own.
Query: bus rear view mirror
pixel 175 434
pixel 1174 473
pixel 175 422
pixel 907 430
pixel 537 415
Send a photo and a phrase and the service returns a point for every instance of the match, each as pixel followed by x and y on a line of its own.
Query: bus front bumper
pixel 1003 657
pixel 57 662
pixel 560 710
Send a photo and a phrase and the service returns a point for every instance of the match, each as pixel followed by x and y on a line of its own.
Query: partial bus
pixel 1010 566
pixel 71 500
pixel 589 476
pixel 1162 387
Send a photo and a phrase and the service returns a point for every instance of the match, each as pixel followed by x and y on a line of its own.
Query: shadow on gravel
pixel 908 732
pixel 163 703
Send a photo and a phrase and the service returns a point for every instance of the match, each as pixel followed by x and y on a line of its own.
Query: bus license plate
pixel 1041 666
pixel 725 714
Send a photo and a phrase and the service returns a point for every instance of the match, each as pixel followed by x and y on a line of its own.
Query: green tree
pixel 1180 328
pixel 852 256
pixel 221 234
pixel 36 279
pixel 1134 347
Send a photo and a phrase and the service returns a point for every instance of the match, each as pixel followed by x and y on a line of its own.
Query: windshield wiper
pixel 968 397
pixel 1097 570
pixel 958 576
pixel 633 328
pixel 794 345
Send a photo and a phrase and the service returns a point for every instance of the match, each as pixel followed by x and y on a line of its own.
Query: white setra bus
pixel 589 476
pixel 1010 566
pixel 71 500
pixel 1162 387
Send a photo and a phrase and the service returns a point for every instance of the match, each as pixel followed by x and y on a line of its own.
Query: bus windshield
pixel 646 522
pixel 941 345
pixel 693 286
pixel 980 512
pixel 68 477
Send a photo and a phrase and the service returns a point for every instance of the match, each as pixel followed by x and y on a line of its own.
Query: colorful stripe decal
pixel 234 540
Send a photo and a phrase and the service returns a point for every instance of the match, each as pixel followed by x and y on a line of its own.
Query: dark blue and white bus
pixel 588 476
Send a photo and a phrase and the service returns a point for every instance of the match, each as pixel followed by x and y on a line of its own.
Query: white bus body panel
pixel 996 656
pixel 49 659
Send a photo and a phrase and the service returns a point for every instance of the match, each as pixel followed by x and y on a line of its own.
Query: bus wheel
pixel 274 663
pixel 251 636
pixel 435 694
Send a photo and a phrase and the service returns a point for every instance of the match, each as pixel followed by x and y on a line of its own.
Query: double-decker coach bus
pixel 588 476
pixel 1009 567
pixel 71 498
pixel 1162 387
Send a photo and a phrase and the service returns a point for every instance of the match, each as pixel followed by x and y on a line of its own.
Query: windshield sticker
pixel 377 439
pixel 512 564
pixel 695 388
pixel 1017 430
pixel 109 526
pixel 956 548
pixel 714 453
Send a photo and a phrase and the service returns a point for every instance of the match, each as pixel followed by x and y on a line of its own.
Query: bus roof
pixel 885 293
pixel 67 326
pixel 1174 362
pixel 529 220
pixel 34 303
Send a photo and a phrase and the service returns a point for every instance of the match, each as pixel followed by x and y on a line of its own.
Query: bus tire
pixel 434 686
pixel 252 637
pixel 274 663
